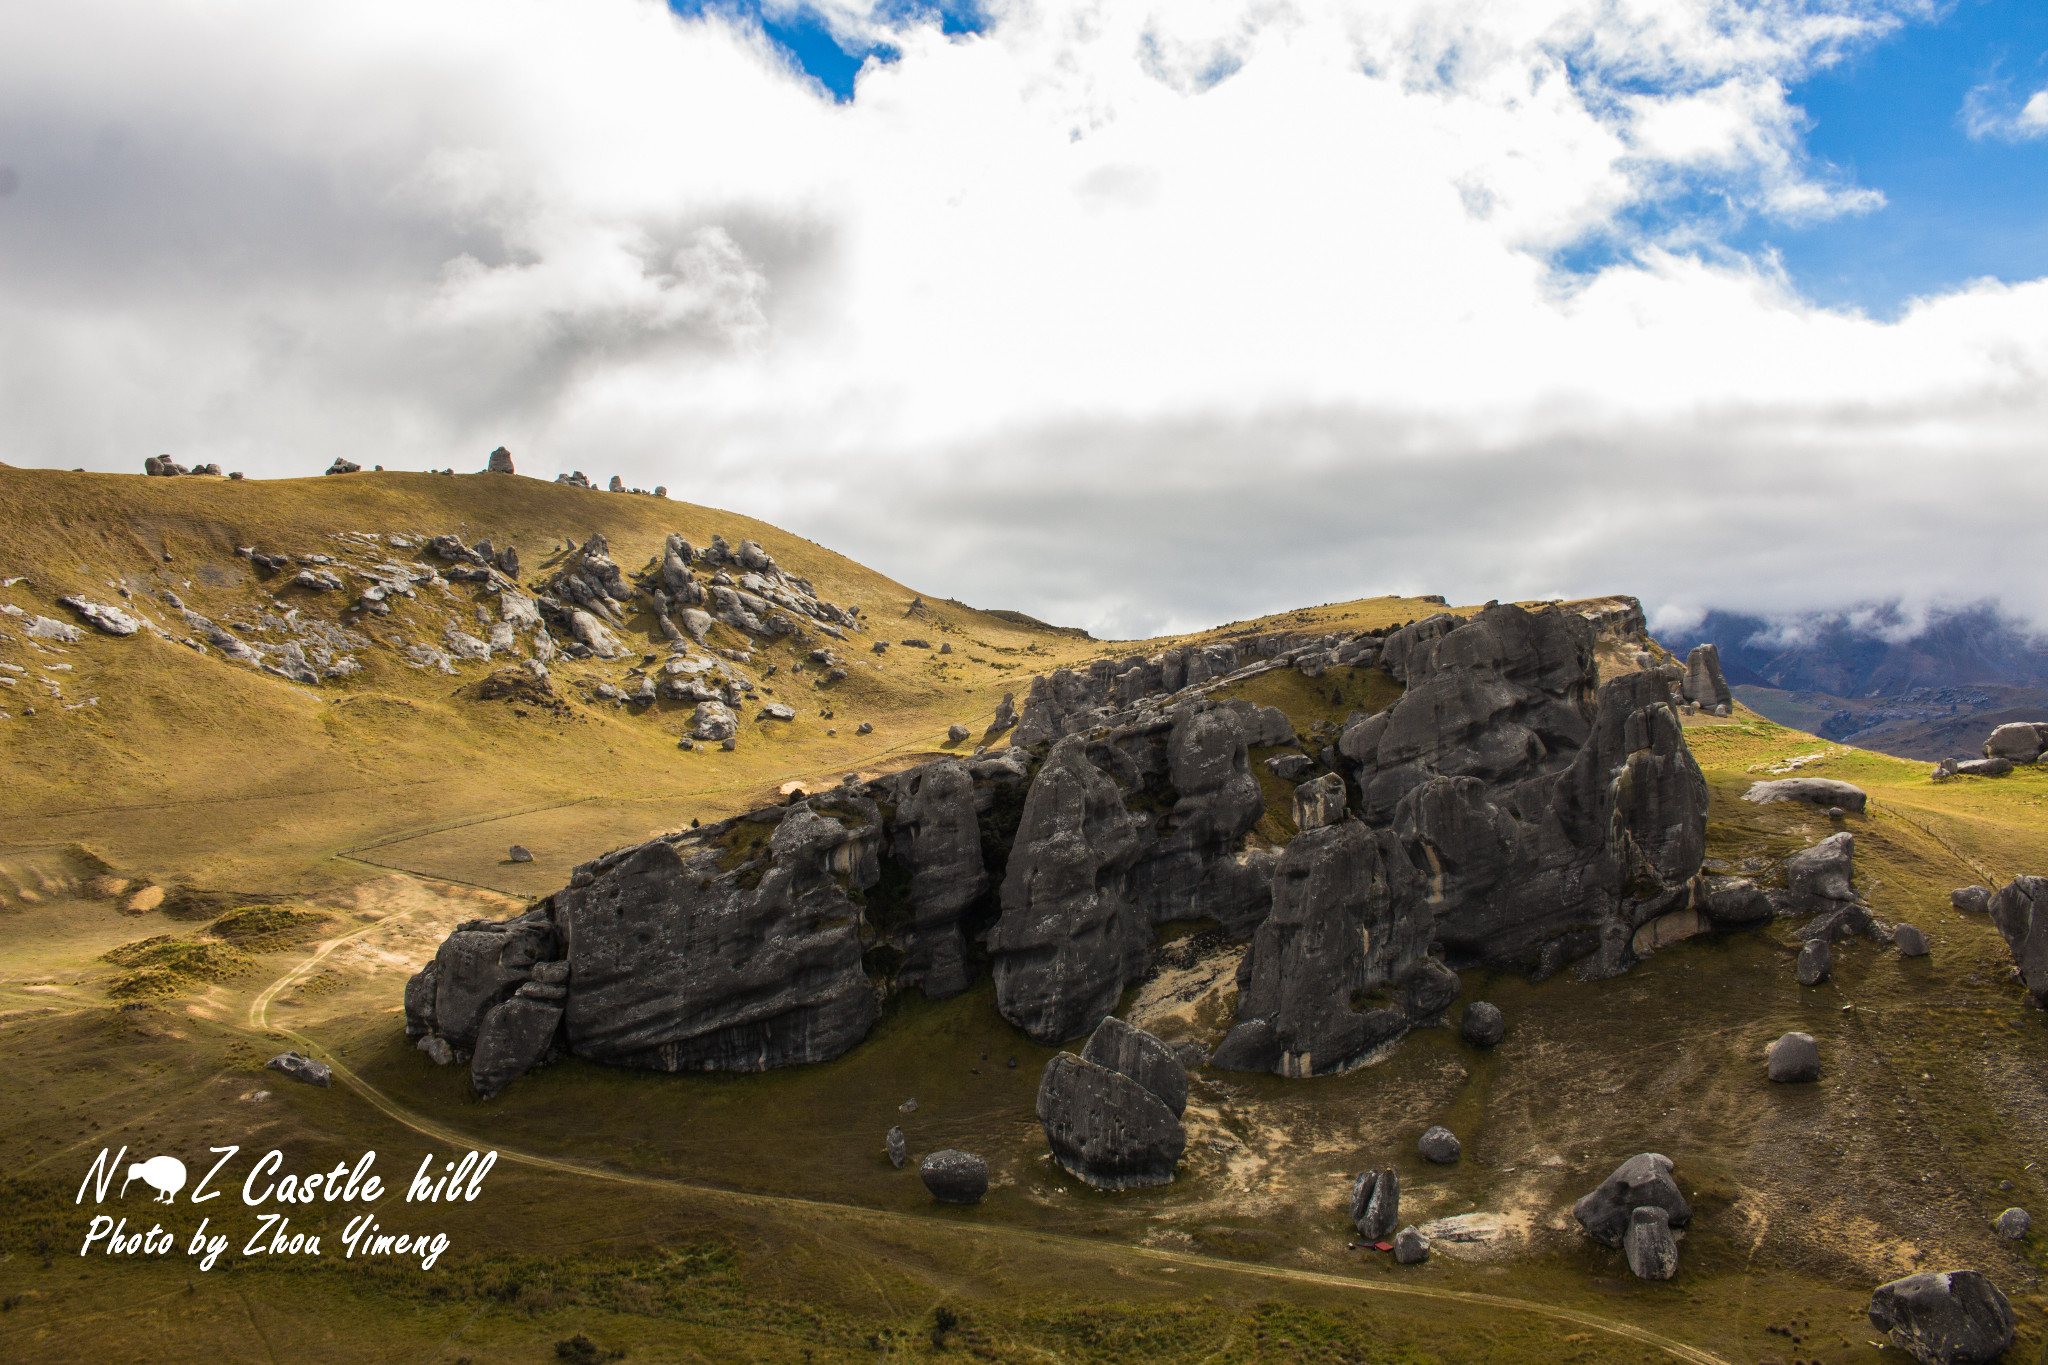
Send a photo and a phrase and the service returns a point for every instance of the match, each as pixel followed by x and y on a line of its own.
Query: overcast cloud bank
pixel 1133 317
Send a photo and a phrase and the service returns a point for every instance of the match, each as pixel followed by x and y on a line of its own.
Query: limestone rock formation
pixel 1108 1128
pixel 2014 1224
pixel 937 840
pixel 514 1037
pixel 1070 937
pixel 1794 1058
pixel 1704 686
pixel 954 1176
pixel 108 620
pixel 1973 900
pixel 1410 1246
pixel 302 1068
pixel 1952 1317
pixel 2020 911
pixel 500 462
pixel 1644 1180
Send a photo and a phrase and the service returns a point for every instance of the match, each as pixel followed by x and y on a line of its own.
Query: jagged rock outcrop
pixel 1112 1115
pixel 1949 1317
pixel 1703 684
pixel 937 841
pixel 1376 1203
pixel 2020 911
pixel 1550 821
pixel 1070 937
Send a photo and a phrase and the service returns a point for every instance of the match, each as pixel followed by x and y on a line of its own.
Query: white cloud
pixel 1989 110
pixel 1127 314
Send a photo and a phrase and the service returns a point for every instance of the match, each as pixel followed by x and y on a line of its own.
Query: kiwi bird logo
pixel 164 1174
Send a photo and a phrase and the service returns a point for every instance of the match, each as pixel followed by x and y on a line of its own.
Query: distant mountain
pixel 1867 654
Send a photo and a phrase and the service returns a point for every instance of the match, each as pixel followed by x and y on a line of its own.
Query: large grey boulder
pixel 1819 879
pixel 2014 1224
pixel 1983 767
pixel 2017 741
pixel 514 1037
pixel 1651 1249
pixel 2019 909
pixel 1817 791
pixel 500 462
pixel 1376 1203
pixel 477 967
pixel 1794 1058
pixel 954 1176
pixel 1952 1317
pixel 713 721
pixel 1704 686
pixel 1410 1246
pixel 1069 938
pixel 1320 802
pixel 1909 941
pixel 1644 1180
pixel 107 620
pixel 302 1068
pixel 1135 1053
pixel 1105 1127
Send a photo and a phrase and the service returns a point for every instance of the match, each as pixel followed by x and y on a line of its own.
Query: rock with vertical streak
pixel 1376 1203
pixel 1651 1249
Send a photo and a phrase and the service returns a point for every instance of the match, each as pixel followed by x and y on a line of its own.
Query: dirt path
pixel 259 1020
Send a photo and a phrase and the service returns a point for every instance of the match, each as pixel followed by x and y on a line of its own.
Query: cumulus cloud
pixel 1990 110
pixel 1130 315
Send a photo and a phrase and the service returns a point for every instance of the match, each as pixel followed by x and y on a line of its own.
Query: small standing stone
pixel 1440 1145
pixel 1376 1203
pixel 1651 1249
pixel 1814 962
pixel 520 855
pixel 1794 1058
pixel 899 1149
pixel 1909 941
pixel 1410 1246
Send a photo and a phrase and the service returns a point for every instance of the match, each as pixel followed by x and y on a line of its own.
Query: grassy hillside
pixel 340 831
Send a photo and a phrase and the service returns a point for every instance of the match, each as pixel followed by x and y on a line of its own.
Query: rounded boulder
pixel 1944 1317
pixel 1440 1144
pixel 1815 962
pixel 954 1176
pixel 2014 1224
pixel 1909 941
pixel 1483 1025
pixel 1794 1058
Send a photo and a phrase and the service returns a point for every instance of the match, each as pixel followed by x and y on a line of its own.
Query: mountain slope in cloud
pixel 1876 652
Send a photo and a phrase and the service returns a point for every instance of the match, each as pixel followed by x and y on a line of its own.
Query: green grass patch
pixel 168 965
pixel 267 928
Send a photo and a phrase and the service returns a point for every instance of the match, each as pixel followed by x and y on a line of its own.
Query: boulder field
pixel 1507 810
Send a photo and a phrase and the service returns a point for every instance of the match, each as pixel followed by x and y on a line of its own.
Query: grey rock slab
pixel 1651 1249
pixel 1973 900
pixel 1287 767
pixel 1793 1058
pixel 1410 1246
pixel 1910 941
pixel 514 1037
pixel 1440 1145
pixel 1818 876
pixel 302 1068
pixel 1320 803
pixel 1818 791
pixel 954 1176
pixel 1984 767
pixel 1135 1053
pixel 108 620
pixel 519 854
pixel 1644 1180
pixel 2018 741
pixel 1952 1317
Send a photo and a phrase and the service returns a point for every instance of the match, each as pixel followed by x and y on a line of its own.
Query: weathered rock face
pixel 1107 1128
pixel 937 839
pixel 500 462
pixel 1549 821
pixel 1819 879
pixel 1410 1246
pixel 1643 1181
pixel 513 1039
pixel 1070 938
pixel 1338 932
pixel 2020 910
pixel 1954 1317
pixel 1376 1203
pixel 1704 686
pixel 1974 900
pixel 1137 1054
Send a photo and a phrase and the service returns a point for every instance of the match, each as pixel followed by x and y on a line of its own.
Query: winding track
pixel 259 1020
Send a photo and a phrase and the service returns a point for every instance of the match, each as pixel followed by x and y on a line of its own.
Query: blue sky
pixel 1892 117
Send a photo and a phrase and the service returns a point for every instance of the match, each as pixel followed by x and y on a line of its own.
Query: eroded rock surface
pixel 1951 1317
pixel 1644 1180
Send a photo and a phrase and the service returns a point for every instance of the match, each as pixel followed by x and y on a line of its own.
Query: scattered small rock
pixel 2014 1224
pixel 1440 1145
pixel 518 852
pixel 437 1049
pixel 1794 1058
pixel 957 733
pixel 1910 941
pixel 1410 1246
